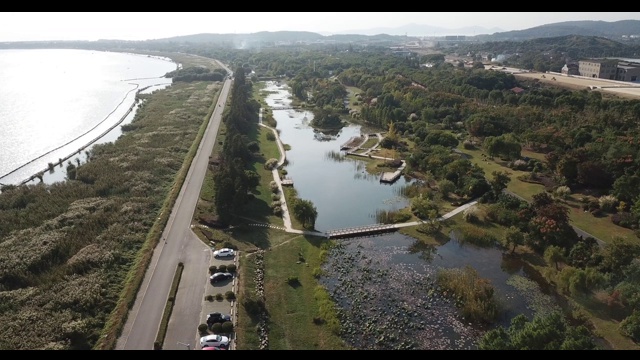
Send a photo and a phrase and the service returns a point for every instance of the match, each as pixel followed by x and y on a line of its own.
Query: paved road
pixel 181 245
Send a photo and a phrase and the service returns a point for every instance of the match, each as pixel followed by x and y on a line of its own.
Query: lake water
pixel 344 194
pixel 385 285
pixel 53 102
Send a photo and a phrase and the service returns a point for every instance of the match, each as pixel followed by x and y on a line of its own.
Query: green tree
pixel 514 237
pixel 446 187
pixel 305 212
pixel 545 332
pixel 618 254
pixel 499 181
pixel 553 255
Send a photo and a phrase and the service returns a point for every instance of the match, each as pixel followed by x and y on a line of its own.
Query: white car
pixel 223 253
pixel 214 340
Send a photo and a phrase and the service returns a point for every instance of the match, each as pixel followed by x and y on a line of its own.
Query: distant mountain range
pixel 616 30
pixel 421 30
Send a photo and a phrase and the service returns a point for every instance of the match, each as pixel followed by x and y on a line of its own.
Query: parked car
pixel 214 340
pixel 217 317
pixel 219 276
pixel 224 253
pixel 213 348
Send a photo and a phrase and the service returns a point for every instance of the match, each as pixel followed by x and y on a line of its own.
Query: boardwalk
pixel 362 230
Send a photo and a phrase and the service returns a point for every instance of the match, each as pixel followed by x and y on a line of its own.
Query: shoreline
pixel 86 145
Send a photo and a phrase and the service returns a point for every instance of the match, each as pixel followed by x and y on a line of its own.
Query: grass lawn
pixel 371 142
pixel 352 97
pixel 292 309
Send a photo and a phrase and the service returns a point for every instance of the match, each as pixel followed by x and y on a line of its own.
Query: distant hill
pixel 569 46
pixel 280 37
pixel 616 30
pixel 423 30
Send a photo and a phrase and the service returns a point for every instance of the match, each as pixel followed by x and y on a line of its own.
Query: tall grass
pixel 472 294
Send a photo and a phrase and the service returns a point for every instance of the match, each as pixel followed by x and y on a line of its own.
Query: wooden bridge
pixel 361 230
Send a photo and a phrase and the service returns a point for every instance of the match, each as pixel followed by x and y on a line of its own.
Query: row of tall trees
pixel 232 181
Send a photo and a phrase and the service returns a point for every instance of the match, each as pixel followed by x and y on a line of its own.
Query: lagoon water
pixel 53 102
pixel 343 192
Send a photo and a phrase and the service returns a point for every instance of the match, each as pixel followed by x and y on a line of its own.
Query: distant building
pixel 570 69
pixel 628 72
pixel 602 69
pixel 517 90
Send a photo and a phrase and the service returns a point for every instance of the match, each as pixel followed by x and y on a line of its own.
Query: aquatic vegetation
pixel 539 302
pixel 472 294
pixel 383 304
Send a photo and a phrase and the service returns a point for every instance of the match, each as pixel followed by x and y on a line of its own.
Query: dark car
pixel 217 277
pixel 217 317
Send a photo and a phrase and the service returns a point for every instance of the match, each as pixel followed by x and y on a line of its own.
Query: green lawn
pixel 293 308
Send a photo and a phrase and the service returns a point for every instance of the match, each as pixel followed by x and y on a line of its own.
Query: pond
pixel 385 285
pixel 340 188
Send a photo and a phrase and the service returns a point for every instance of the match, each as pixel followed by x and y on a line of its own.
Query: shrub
pixel 317 272
pixel 216 328
pixel 230 295
pixel 275 197
pixel 227 327
pixel 624 219
pixel 468 145
pixel 254 307
pixel 631 326
pixel 275 204
pixel 277 211
pixel 562 192
pixel 203 328
pixel 519 165
pixel 222 268
pixel 209 297
pixel 293 280
pixel 274 187
pixel 471 214
pixel 271 164
pixel 219 297
pixel 271 136
pixel 231 268
pixel 608 203
pixel 213 269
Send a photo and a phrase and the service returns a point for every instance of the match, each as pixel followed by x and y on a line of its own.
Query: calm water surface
pixel 53 102
pixel 344 194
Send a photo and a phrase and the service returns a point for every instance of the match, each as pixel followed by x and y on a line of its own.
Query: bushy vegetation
pixel 68 248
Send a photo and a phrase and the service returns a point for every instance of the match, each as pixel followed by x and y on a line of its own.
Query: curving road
pixel 181 245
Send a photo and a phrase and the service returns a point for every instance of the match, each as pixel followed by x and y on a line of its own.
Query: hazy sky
pixel 32 26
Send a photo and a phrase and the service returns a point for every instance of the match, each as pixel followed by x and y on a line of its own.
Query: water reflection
pixel 341 189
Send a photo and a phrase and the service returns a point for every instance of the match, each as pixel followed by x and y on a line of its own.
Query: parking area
pixel 223 306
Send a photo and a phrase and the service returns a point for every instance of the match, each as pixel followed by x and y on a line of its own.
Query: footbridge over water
pixel 361 230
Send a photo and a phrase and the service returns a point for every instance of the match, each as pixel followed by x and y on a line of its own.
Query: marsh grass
pixel 473 295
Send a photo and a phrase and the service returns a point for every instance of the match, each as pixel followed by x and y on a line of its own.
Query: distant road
pixel 181 245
